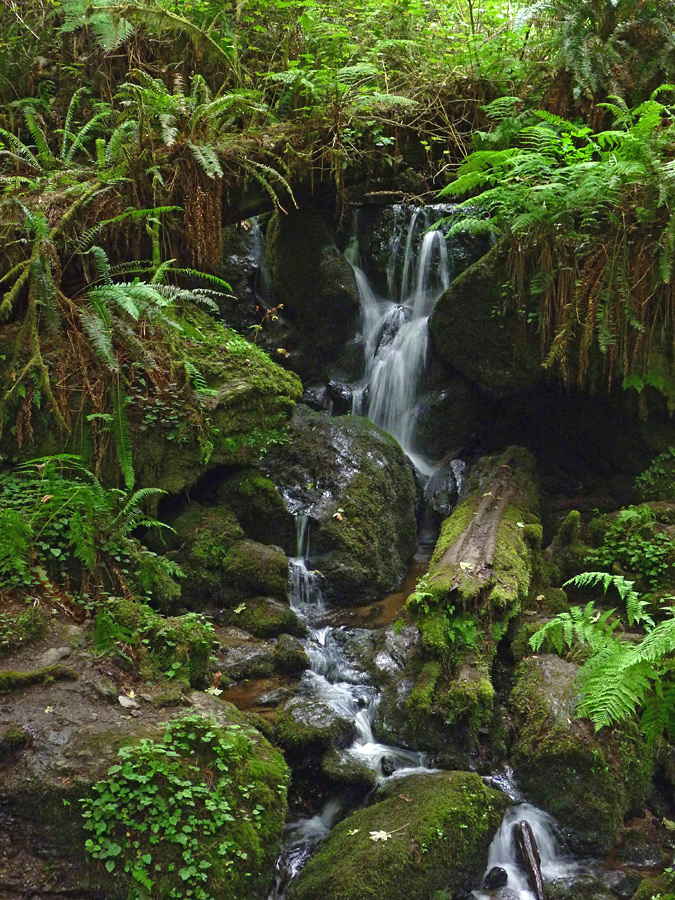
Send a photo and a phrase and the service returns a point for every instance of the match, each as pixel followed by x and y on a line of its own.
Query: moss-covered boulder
pixel 265 617
pixel 427 833
pixel 587 780
pixel 344 768
pixel 316 286
pixel 249 402
pixel 306 725
pixel 290 656
pixel 361 494
pixel 260 508
pixel 61 740
pixel 220 565
pixel 479 331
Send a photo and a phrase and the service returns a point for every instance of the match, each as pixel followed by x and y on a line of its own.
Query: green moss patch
pixel 429 832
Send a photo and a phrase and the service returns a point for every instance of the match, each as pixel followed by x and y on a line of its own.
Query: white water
pixel 336 681
pixel 394 329
pixel 503 852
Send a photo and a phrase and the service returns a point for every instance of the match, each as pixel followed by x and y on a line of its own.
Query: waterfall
pixel 394 329
pixel 503 852
pixel 336 681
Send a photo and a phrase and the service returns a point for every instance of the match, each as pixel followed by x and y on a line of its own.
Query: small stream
pixel 395 338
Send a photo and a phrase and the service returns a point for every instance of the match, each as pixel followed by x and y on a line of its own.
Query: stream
pixel 394 336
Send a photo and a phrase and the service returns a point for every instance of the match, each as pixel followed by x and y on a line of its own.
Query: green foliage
pixel 621 677
pixel 656 482
pixel 18 627
pixel 63 526
pixel 187 815
pixel 635 542
pixel 442 627
pixel 178 647
pixel 590 218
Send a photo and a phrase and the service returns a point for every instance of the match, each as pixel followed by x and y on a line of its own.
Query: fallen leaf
pixel 379 835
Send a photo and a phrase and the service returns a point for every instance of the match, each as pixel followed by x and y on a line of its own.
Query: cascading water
pixel 394 330
pixel 337 682
pixel 503 851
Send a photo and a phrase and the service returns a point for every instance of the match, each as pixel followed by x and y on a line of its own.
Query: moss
pixel 662 887
pixel 257 569
pixel 266 618
pixel 588 781
pixel 20 627
pixel 341 767
pixel 260 508
pixel 305 726
pixel 205 534
pixel 439 827
pixel 469 700
pixel 16 737
pixel 290 656
pixel 422 695
pixel 10 681
pixel 178 646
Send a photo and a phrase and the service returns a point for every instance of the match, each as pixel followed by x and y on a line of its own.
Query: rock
pixel 433 833
pixel 662 887
pixel 452 415
pixel 259 508
pixel 316 286
pixel 220 564
pixel 495 878
pixel 290 656
pixel 265 617
pixel 308 725
pixel 361 494
pixel 442 489
pixel 587 781
pixel 340 398
pixel 344 768
pixel 105 688
pixel 127 702
pixel 54 655
pixel 248 660
pixel 274 697
pixel 65 742
pixel 581 887
pixel 477 331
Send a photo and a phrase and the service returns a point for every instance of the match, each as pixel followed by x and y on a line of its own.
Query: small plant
pixel 184 816
pixel 634 542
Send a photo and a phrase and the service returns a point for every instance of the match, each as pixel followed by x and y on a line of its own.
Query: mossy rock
pixel 361 493
pixel 316 286
pixel 21 626
pixel 344 768
pixel 436 832
pixel 255 568
pixel 588 781
pixel 478 330
pixel 259 508
pixel 265 617
pixel 290 656
pixel 662 887
pixel 308 725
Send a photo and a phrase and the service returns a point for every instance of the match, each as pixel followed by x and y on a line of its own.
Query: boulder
pixel 361 494
pixel 345 769
pixel 63 743
pixel 479 331
pixel 588 781
pixel 290 656
pixel 426 833
pixel 221 566
pixel 308 725
pixel 265 617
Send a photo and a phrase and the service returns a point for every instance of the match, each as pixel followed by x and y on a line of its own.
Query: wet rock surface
pixel 361 496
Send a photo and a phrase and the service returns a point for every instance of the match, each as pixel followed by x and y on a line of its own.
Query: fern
pixel 119 424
